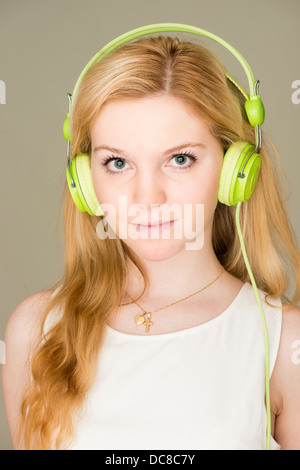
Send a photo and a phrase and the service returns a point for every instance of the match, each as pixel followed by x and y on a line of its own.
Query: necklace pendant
pixel 139 319
pixel 148 323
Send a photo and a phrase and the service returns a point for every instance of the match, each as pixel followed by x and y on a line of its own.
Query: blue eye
pixel 119 162
pixel 181 157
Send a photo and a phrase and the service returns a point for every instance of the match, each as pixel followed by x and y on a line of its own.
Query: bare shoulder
pixel 286 381
pixel 290 336
pixel 26 317
pixel 22 331
pixel 289 347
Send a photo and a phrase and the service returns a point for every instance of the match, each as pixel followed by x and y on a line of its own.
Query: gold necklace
pixel 141 320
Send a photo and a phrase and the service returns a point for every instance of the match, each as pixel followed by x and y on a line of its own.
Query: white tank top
pixel 201 388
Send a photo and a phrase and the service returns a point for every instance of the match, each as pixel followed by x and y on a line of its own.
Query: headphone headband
pixel 253 106
pixel 163 27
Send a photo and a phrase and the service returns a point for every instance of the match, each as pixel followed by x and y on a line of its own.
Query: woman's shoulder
pixel 22 332
pixel 25 319
pixel 285 381
pixel 289 348
pixel 23 327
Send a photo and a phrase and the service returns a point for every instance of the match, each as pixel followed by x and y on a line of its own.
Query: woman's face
pixel 153 161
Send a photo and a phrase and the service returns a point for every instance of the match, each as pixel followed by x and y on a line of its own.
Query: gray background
pixel 45 45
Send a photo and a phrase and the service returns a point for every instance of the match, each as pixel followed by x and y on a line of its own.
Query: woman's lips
pixel 154 227
pixel 156 224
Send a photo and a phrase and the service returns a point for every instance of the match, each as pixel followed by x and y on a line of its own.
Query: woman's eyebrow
pixel 173 149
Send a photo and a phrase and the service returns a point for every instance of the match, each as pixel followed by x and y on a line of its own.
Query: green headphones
pixel 241 162
pixel 240 168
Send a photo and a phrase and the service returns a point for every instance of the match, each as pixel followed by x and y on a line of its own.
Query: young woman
pixel 149 341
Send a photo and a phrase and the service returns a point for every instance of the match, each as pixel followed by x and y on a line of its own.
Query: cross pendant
pixel 148 322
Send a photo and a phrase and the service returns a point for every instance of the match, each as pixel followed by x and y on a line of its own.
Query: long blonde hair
pixel 92 285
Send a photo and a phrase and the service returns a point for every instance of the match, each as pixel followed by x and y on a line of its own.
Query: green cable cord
pixel 237 214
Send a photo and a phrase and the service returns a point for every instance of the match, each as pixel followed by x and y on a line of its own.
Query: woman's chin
pixel 155 250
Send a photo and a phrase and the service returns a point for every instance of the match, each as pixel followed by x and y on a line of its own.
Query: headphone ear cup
pixel 233 189
pixel 83 193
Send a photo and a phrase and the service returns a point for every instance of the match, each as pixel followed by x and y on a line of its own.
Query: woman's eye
pixel 182 159
pixel 118 164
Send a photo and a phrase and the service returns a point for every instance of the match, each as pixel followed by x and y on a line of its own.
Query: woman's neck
pixel 178 276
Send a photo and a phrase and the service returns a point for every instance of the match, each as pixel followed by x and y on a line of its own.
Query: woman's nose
pixel 149 188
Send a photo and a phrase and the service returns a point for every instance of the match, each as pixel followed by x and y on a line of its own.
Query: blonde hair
pixel 92 285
